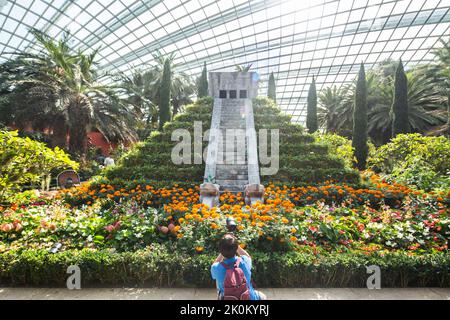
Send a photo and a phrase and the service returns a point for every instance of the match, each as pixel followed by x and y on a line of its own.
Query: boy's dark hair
pixel 228 246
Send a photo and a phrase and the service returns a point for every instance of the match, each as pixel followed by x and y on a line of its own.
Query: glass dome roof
pixel 294 39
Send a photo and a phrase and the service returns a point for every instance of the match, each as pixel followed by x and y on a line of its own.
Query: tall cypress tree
pixel 311 117
pixel 272 91
pixel 400 123
pixel 164 95
pixel 360 135
pixel 202 85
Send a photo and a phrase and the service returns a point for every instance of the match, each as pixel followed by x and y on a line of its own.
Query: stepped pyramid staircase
pixel 232 157
pixel 231 162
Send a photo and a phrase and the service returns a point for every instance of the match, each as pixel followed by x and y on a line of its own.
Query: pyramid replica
pixel 232 163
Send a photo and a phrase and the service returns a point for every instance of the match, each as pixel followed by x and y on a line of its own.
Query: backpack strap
pixel 229 266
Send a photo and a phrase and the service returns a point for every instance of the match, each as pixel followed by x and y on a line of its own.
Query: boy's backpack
pixel 235 284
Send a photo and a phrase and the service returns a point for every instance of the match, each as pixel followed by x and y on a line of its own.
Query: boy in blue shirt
pixel 230 252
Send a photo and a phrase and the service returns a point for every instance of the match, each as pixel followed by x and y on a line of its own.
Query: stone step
pixel 235 115
pixel 232 147
pixel 226 126
pixel 233 102
pixel 234 162
pixel 231 182
pixel 232 167
pixel 232 115
pixel 236 109
pixel 239 151
pixel 231 155
pixel 232 189
pixel 234 122
pixel 232 159
pixel 232 172
pixel 231 177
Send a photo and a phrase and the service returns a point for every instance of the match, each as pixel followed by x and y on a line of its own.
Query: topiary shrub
pixel 302 160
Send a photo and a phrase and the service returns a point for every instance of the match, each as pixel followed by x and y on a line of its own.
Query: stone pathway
pixel 209 294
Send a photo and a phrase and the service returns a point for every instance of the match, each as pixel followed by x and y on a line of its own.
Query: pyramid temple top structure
pixel 233 85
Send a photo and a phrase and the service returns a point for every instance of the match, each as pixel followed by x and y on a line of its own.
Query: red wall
pixel 96 139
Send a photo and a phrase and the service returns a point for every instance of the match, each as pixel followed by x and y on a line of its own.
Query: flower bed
pixel 131 220
pixel 302 236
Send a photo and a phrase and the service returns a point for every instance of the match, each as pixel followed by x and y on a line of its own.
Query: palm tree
pixel 138 89
pixel 439 71
pixel 182 88
pixel 330 99
pixel 425 103
pixel 78 98
pixel 243 68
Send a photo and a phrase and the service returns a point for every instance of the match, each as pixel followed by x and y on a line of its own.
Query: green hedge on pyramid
pixel 302 160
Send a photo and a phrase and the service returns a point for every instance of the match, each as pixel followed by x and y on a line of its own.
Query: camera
pixel 231 225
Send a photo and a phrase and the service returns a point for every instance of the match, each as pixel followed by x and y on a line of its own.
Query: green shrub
pixel 302 160
pixel 341 147
pixel 24 161
pixel 160 267
pixel 416 160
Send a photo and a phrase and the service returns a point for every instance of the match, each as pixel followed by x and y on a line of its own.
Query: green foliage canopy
pixel 24 161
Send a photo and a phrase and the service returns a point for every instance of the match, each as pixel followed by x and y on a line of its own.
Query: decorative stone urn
pixel 254 193
pixel 209 194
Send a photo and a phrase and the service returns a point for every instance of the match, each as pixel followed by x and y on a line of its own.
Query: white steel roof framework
pixel 295 39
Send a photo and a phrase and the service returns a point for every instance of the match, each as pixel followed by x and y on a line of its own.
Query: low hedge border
pixel 158 267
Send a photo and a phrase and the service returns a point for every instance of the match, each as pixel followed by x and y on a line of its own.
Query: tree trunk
pixel 78 124
pixel 59 136
pixel 176 107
